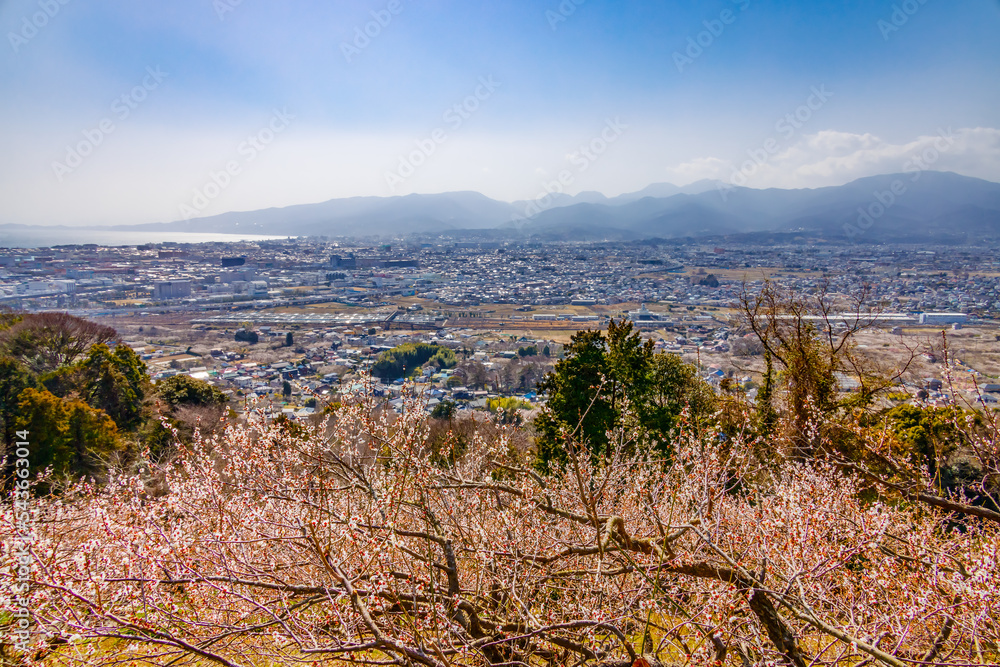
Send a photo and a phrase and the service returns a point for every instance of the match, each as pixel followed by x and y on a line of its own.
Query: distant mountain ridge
pixel 919 207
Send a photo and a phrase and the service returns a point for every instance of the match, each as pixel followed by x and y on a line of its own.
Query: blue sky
pixel 372 117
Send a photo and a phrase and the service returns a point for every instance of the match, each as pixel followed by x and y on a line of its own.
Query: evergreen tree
pixel 408 357
pixel 116 382
pixel 628 363
pixel 186 390
pixel 182 401
pixel 14 379
pixel 444 410
pixel 247 336
pixel 673 386
pixel 615 382
pixel 578 402
pixel 67 434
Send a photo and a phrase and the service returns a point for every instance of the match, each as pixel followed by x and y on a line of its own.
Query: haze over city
pixel 121 112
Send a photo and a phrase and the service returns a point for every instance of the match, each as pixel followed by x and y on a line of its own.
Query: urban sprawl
pixel 294 323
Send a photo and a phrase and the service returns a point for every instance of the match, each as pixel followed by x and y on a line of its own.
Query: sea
pixel 44 237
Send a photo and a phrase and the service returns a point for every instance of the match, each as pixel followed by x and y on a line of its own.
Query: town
pixel 293 323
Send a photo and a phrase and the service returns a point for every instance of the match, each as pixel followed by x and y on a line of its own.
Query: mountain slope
pixel 359 216
pixel 925 207
pixel 920 207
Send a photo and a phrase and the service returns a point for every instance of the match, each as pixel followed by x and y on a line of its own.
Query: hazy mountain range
pixel 910 207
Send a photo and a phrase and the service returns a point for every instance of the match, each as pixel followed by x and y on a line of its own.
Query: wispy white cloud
pixel 831 157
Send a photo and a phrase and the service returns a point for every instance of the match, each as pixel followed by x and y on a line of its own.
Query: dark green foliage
pixel 629 362
pixel 530 351
pixel 943 442
pixel 674 385
pixel 709 281
pixel 286 388
pixel 409 357
pixel 67 434
pixel 247 336
pixel 927 436
pixel 115 382
pixel 289 339
pixel 77 410
pixel 606 383
pixel 111 383
pixel 60 380
pixel 14 379
pixel 444 410
pixel 186 390
pixel 184 403
pixel 577 400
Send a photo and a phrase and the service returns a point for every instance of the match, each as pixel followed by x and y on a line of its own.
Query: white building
pixel 42 287
pixel 943 318
pixel 646 318
pixel 171 289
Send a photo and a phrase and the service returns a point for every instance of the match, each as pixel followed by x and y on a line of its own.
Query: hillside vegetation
pixel 84 398
pixel 640 519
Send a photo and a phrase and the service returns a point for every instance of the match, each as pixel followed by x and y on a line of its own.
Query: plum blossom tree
pixel 347 543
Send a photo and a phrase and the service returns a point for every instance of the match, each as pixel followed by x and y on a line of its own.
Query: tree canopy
pixel 83 398
pixel 186 390
pixel 44 342
pixel 66 433
pixel 609 382
pixel 409 357
pixel 115 381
